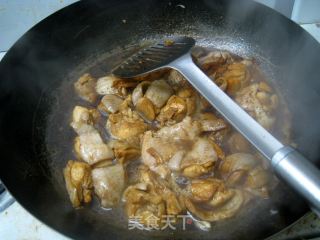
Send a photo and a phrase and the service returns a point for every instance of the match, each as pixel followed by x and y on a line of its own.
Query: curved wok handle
pixel 300 174
pixel 5 199
pixel 291 166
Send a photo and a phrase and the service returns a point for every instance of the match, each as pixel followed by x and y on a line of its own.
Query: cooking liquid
pixel 60 137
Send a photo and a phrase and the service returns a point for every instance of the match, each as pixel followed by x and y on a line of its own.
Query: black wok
pixel 36 97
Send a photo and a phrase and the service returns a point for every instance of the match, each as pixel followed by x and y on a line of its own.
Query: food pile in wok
pixel 153 146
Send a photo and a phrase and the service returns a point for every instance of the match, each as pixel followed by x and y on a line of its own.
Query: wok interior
pixel 36 91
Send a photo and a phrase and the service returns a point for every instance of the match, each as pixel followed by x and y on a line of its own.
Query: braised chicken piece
pixel 109 183
pixel 156 152
pixel 151 198
pixel 235 77
pixel 176 145
pixel 187 129
pixel 82 116
pixel 175 110
pixel 143 203
pixel 210 199
pixel 227 210
pixel 178 148
pixel 143 105
pixel 89 145
pixel 192 99
pixel 159 92
pixel 85 88
pixel 213 60
pixel 216 128
pixel 258 182
pixel 156 143
pixel 202 190
pixel 146 109
pixel 186 103
pixel 110 103
pixel 210 191
pixel 259 103
pixel 161 187
pixel 196 104
pixel 108 85
pixel 78 180
pixel 243 169
pixel 238 143
pixel 176 80
pixel 211 123
pixel 149 97
pixel 200 159
pixel 139 91
pixel 236 166
pixel 124 152
pixel 126 125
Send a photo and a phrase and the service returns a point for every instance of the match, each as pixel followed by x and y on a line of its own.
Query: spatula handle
pixel 300 173
pixel 291 166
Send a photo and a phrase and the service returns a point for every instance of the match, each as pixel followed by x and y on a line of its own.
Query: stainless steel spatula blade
pixel 288 163
pixel 154 57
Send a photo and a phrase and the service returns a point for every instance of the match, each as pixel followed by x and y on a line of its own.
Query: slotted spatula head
pixel 154 57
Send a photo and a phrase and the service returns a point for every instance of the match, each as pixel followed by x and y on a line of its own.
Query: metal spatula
pixel 290 165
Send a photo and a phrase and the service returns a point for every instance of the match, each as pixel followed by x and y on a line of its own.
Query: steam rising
pixel 55 54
